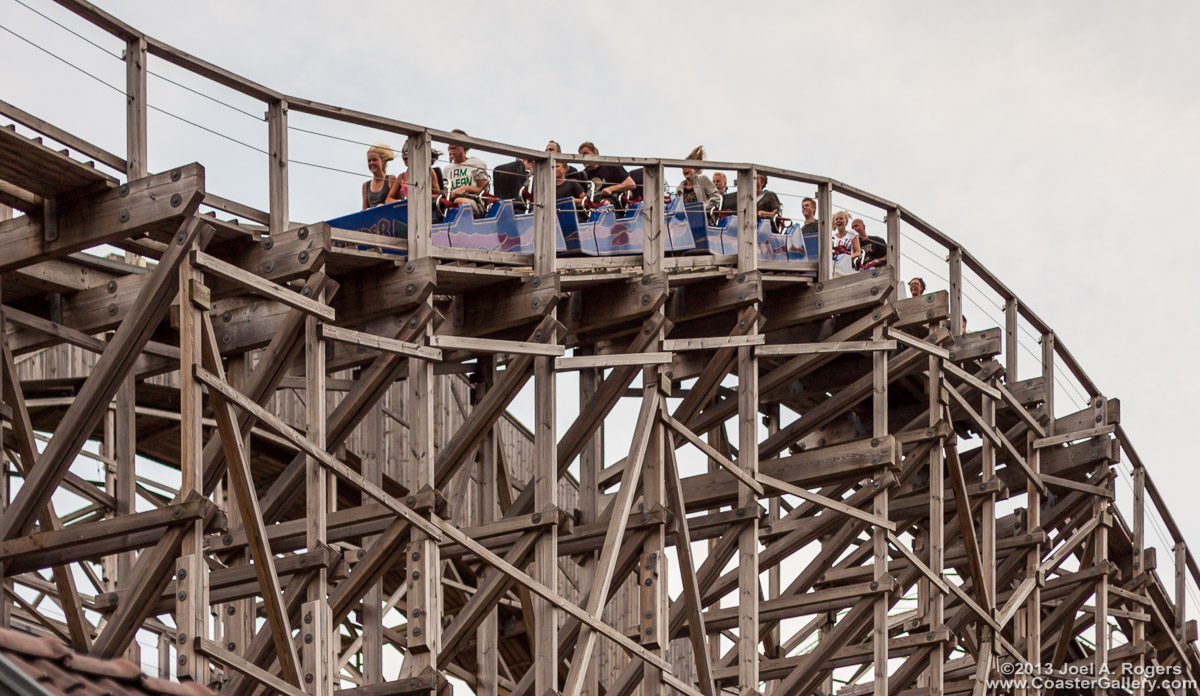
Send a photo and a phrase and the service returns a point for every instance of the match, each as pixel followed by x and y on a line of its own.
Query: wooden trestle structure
pixel 883 497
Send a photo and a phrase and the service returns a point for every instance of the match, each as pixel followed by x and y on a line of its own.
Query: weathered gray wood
pixel 100 387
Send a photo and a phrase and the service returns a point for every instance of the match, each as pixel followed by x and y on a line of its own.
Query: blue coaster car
pixel 772 246
pixel 681 225
pixel 389 220
pixel 462 231
pixel 615 236
pixel 566 231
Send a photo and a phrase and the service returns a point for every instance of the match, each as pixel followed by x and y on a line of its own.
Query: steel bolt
pixel 176 200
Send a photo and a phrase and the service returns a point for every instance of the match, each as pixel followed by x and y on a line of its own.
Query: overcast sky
pixel 1058 142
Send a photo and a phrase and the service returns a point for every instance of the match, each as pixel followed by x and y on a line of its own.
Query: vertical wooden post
pixel 136 146
pixel 1011 336
pixel 1139 556
pixel 1180 591
pixel 1048 376
pixel 774 514
pixel 748 587
pixel 191 570
pixel 1100 558
pixel 879 540
pixel 545 446
pixel 956 298
pixel 988 509
pixel 893 252
pixel 937 528
pixel 420 206
pixel 423 557
pixel 316 655
pixel 372 612
pixel 653 563
pixel 653 246
pixel 1033 613
pixel 123 479
pixel 652 566
pixel 487 638
pixel 277 174
pixel 824 231
pixel 164 656
pixel 591 460
pixel 747 216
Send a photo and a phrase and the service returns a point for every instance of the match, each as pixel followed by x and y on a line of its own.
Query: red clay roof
pixel 61 672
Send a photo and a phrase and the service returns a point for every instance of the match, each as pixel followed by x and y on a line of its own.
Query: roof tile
pixel 62 672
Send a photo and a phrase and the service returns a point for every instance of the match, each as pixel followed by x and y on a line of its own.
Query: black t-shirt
pixel 874 247
pixel 639 189
pixel 809 229
pixel 610 174
pixel 568 189
pixel 508 179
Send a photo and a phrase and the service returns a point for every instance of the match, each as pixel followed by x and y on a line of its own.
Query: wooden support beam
pixel 158 203
pixel 712 453
pixel 242 482
pixel 80 632
pixel 818 348
pixel 612 540
pixel 260 286
pixel 380 343
pixel 966 522
pixel 805 494
pixel 487 345
pixel 691 582
pixel 311 449
pixel 102 384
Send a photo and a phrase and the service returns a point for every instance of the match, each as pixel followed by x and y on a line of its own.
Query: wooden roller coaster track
pixel 838 480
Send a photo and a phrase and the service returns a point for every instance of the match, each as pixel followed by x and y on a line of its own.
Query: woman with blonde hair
pixel 375 191
pixel 698 187
pixel 845 245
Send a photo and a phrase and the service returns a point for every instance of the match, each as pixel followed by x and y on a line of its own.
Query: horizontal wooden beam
pixel 380 343
pixel 160 203
pixel 679 345
pixel 815 348
pixel 489 345
pixel 589 362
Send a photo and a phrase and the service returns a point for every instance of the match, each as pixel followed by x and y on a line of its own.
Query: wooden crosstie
pixel 775 481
